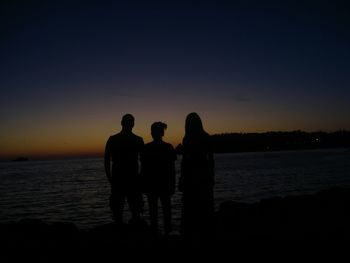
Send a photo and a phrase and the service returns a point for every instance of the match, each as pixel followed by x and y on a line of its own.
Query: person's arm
pixel 141 151
pixel 107 161
pixel 173 157
pixel 180 185
pixel 211 161
pixel 142 158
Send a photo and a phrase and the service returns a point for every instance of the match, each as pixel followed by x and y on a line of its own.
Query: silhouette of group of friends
pixel 156 177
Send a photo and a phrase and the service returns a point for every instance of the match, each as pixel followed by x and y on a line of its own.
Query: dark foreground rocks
pixel 322 218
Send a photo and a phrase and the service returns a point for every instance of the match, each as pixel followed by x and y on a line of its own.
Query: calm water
pixel 77 190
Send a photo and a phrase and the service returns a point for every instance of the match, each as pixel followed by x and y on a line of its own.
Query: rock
pixel 321 216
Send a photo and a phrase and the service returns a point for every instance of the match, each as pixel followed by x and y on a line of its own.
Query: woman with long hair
pixel 197 180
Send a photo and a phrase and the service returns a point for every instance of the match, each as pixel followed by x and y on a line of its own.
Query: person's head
pixel 128 122
pixel 193 124
pixel 157 130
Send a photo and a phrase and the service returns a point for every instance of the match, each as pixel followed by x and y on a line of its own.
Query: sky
pixel 71 69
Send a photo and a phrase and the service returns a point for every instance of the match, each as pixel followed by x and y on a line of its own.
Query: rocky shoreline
pixel 320 217
pixel 324 215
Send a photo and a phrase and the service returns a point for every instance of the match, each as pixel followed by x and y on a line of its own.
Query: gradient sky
pixel 69 71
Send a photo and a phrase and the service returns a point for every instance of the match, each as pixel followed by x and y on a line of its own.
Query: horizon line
pixel 98 154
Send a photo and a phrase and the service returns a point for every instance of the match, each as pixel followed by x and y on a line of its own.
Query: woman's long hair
pixel 193 125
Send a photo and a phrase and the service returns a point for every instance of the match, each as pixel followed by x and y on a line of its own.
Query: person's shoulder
pixel 113 137
pixel 148 145
pixel 118 136
pixel 112 141
pixel 138 138
pixel 168 145
pixel 206 136
pixel 169 148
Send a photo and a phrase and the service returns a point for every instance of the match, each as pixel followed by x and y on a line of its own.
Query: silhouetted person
pixel 196 181
pixel 158 172
pixel 123 149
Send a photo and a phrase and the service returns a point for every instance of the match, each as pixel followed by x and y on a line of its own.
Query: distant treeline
pixel 270 141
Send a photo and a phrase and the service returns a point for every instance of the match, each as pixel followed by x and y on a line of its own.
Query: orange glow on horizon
pixel 84 132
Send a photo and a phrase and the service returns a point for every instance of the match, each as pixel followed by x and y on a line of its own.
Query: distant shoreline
pixel 240 143
pixel 277 141
pixel 286 150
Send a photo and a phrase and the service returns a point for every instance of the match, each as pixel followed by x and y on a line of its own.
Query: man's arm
pixel 141 146
pixel 173 156
pixel 107 161
pixel 211 161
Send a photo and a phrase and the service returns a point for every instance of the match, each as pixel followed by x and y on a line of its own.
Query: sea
pixel 77 191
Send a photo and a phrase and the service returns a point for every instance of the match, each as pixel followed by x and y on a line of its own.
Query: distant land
pixel 252 142
pixel 273 141
pixel 278 141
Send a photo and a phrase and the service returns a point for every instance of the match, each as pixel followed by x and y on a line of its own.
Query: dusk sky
pixel 71 69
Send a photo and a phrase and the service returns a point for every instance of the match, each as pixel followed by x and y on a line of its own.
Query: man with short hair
pixel 123 150
pixel 158 176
